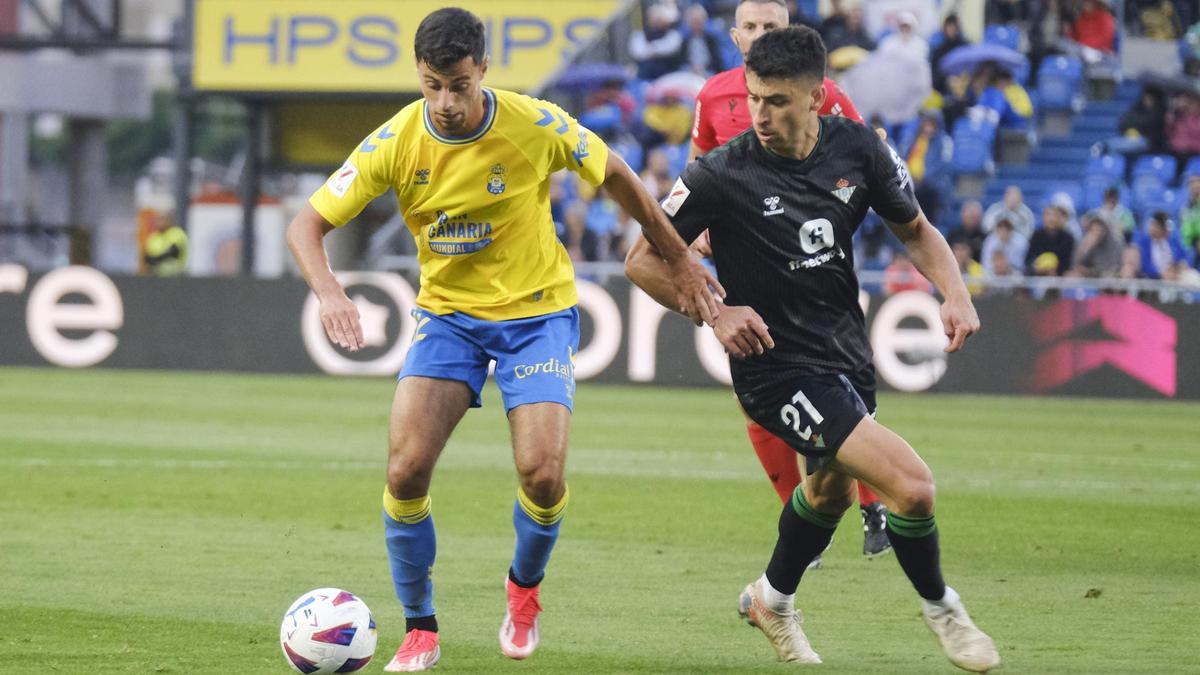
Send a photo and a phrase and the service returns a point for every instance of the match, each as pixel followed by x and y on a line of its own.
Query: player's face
pixel 454 96
pixel 752 19
pixel 783 110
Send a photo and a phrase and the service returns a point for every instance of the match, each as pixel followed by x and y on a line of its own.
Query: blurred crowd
pixel 931 95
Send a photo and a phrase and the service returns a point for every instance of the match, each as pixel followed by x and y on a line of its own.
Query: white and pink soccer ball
pixel 328 630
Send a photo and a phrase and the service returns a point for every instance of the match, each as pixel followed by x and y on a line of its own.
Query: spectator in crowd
pixel 1159 20
pixel 666 120
pixel 581 243
pixel 1051 247
pixel 1014 109
pixel 929 155
pixel 1162 251
pixel 602 222
pixel 166 248
pixel 972 272
pixel 658 47
pixel 701 47
pixel 842 29
pixel 951 38
pixel 1013 209
pixel 902 275
pixel 892 84
pixel 1147 120
pixel 1099 252
pixel 906 38
pixel 1116 215
pixel 1189 216
pixel 626 232
pixel 970 229
pixel 1183 126
pixel 1095 27
pixel 1006 241
pixel 999 267
pixel 1131 263
pixel 656 175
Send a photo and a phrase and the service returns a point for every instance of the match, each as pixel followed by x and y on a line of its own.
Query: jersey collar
pixel 489 117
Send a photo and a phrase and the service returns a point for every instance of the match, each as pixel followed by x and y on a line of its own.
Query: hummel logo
pixel 772 204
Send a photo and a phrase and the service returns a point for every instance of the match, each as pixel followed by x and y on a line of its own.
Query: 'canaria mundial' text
pixel 457 235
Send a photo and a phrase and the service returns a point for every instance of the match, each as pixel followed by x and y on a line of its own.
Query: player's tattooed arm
pixel 933 258
pixel 339 316
pixel 693 284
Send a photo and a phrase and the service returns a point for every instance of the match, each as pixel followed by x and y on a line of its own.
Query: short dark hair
pixel 448 36
pixel 792 52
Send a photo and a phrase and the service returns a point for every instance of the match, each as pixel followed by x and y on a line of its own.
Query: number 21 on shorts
pixel 790 415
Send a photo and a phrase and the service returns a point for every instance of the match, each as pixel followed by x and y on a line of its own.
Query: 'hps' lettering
pixel 553 366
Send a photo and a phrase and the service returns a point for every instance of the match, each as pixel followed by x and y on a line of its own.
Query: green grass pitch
pixel 162 523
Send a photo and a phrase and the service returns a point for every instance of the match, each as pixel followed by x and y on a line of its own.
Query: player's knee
pixel 916 498
pixel 406 475
pixel 543 483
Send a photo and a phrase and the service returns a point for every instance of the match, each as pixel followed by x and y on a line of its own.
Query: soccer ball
pixel 328 630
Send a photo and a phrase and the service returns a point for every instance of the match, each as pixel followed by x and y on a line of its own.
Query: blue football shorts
pixel 534 356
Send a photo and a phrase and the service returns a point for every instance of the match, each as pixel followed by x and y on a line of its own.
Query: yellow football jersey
pixel 477 205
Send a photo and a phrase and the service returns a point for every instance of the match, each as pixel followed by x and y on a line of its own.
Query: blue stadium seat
pixel 1094 187
pixel 1059 82
pixel 1161 166
pixel 1111 166
pixel 973 141
pixel 1192 168
pixel 1167 200
pixel 1101 172
pixel 1151 176
pixel 1003 35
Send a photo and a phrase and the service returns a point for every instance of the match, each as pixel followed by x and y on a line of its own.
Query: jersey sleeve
pixel 842 100
pixel 572 146
pixel 366 174
pixel 703 133
pixel 692 203
pixel 890 189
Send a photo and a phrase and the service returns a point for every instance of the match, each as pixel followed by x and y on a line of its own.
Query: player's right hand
pixel 697 290
pixel 742 332
pixel 340 318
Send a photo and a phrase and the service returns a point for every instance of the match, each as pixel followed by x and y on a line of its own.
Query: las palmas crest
pixel 496 184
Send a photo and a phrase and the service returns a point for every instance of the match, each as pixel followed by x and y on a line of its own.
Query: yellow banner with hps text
pixel 367 45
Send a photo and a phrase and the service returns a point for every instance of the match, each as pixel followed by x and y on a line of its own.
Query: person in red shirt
pixel 1095 27
pixel 722 113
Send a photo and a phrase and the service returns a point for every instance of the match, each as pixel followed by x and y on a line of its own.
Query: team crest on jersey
pixel 772 204
pixel 496 184
pixel 844 190
pixel 422 177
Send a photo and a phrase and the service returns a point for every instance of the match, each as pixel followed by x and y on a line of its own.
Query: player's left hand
pixel 697 290
pixel 742 332
pixel 959 321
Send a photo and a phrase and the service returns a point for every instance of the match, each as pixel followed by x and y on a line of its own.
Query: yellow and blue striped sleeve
pixel 572 146
pixel 366 174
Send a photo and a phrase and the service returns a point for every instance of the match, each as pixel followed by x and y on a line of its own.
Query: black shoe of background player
pixel 875 541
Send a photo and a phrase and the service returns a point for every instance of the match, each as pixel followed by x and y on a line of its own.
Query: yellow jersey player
pixel 471 167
